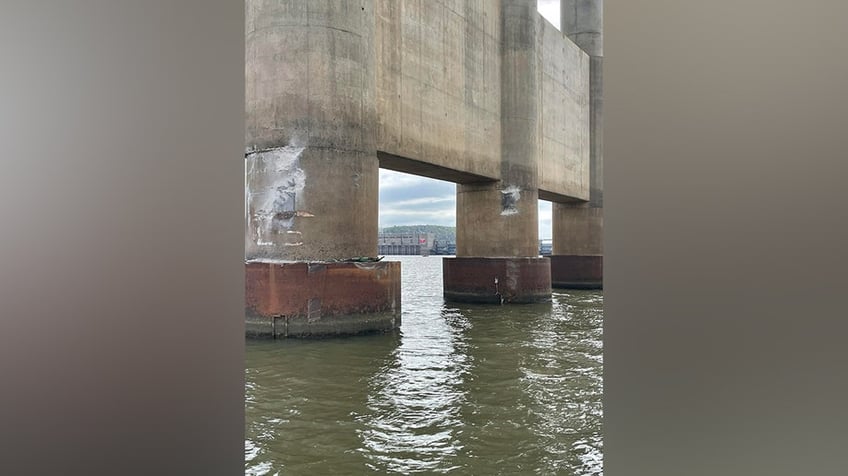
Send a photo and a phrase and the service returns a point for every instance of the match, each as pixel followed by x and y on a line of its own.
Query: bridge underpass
pixel 488 95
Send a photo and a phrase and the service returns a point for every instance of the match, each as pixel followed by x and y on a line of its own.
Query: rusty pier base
pixel 320 299
pixel 577 271
pixel 497 280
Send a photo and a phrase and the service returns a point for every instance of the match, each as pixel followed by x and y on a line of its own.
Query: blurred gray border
pixel 121 205
pixel 726 235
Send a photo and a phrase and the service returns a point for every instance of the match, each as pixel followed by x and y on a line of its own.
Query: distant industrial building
pixel 546 247
pixel 405 243
pixel 443 247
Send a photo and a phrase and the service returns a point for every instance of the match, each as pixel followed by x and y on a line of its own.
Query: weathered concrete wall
pixel 564 170
pixel 438 84
pixel 578 228
pixel 439 102
pixel 582 22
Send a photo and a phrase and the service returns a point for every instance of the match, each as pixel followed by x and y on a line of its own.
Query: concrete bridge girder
pixel 440 110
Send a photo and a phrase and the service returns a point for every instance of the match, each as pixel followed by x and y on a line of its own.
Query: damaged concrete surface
pixel 273 181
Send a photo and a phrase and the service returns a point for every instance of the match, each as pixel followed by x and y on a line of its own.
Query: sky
pixel 411 200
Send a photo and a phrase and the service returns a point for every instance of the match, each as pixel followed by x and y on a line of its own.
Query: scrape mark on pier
pixel 271 200
pixel 509 200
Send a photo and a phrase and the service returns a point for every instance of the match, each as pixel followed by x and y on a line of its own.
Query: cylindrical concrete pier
pixel 319 299
pixel 497 222
pixel 497 280
pixel 577 255
pixel 311 164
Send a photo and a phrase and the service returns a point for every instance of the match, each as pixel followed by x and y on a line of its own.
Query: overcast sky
pixel 412 200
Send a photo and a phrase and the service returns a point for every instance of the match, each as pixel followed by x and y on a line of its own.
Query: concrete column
pixel 311 162
pixel 497 223
pixel 311 183
pixel 577 259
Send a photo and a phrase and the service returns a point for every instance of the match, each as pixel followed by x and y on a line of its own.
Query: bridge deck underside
pixel 424 169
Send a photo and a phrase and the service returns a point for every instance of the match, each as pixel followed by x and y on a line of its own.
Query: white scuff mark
pixel 509 200
pixel 369 265
pixel 272 184
pixel 293 238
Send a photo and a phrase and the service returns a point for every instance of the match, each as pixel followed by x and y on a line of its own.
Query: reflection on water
pixel 460 389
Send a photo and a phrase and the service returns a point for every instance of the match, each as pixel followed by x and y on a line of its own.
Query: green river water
pixel 460 389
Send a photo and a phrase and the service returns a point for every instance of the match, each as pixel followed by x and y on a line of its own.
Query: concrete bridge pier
pixel 312 172
pixel 497 222
pixel 577 257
